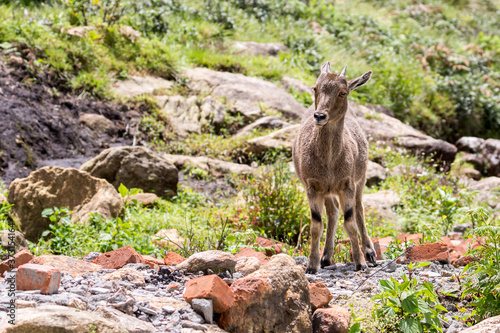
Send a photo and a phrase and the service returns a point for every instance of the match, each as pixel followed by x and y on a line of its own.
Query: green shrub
pixel 276 203
pixel 408 306
pixel 483 275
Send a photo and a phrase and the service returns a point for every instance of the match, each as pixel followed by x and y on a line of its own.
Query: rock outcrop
pixel 241 88
pixel 258 49
pixel 58 187
pixel 135 167
pixel 278 292
pixel 215 167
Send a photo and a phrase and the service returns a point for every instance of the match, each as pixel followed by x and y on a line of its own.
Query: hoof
pixel 326 263
pixel 360 267
pixel 371 256
pixel 311 270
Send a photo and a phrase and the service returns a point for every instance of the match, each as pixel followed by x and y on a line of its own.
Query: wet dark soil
pixel 39 123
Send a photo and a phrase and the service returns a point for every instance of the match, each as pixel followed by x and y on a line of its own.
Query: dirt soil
pixel 39 124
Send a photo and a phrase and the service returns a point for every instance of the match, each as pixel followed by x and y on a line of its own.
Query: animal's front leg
pixel 316 203
pixel 332 215
pixel 366 241
pixel 348 202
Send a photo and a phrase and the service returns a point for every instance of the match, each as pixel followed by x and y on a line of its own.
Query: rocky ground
pixel 147 297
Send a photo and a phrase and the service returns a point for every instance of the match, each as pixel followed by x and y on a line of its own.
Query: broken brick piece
pixel 172 258
pixel 38 277
pixel 118 258
pixel 20 258
pixel 210 287
pixel 428 252
pixel 248 252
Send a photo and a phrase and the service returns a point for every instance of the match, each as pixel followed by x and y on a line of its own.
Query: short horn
pixel 343 71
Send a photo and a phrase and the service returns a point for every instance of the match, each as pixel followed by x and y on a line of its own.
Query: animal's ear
pixel 359 81
pixel 326 68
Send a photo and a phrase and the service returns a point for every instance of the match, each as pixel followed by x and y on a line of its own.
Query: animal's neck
pixel 332 137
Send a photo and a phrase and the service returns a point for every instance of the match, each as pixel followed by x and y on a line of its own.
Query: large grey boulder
pixel 490 149
pixel 188 115
pixel 98 123
pixel 58 187
pixel 485 187
pixel 281 139
pixel 19 241
pixel 259 49
pixel 263 123
pixel 135 167
pixel 296 85
pixel 238 87
pixel 139 85
pixel 469 144
pixel 56 318
pixel 381 127
pixel 278 292
pixel 381 203
pixel 375 173
pixel 215 167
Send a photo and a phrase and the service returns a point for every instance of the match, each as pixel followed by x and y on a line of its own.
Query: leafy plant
pixel 408 306
pixel 276 203
pixel 483 275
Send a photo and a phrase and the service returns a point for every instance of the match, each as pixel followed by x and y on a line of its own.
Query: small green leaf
pixel 410 304
pixel 123 190
pixel 410 325
pixel 356 328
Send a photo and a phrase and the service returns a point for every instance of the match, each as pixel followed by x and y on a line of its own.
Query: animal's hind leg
pixel 366 241
pixel 348 203
pixel 316 203
pixel 332 215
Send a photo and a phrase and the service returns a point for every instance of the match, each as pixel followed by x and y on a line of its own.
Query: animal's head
pixel 331 91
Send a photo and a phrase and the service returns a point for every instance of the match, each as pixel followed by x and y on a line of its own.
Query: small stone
pixel 126 274
pixel 319 295
pixel 215 260
pixel 152 261
pixel 195 326
pixel 91 256
pixel 38 277
pixel 205 307
pixel 132 324
pixel 331 320
pixel 302 260
pixel 22 304
pixel 168 309
pixel 247 265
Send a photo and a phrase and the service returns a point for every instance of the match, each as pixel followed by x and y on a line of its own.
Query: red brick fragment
pixel 118 258
pixel 271 247
pixel 319 295
pixel 38 277
pixel 463 261
pixel 172 258
pixel 20 258
pixel 427 252
pixel 331 320
pixel 410 237
pixel 210 287
pixel 152 261
pixel 248 252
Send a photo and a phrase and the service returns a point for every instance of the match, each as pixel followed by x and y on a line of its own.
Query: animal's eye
pixel 314 89
pixel 342 94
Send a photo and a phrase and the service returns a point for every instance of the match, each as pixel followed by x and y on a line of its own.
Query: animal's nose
pixel 319 116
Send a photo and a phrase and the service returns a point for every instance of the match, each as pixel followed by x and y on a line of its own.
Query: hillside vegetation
pixel 435 62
